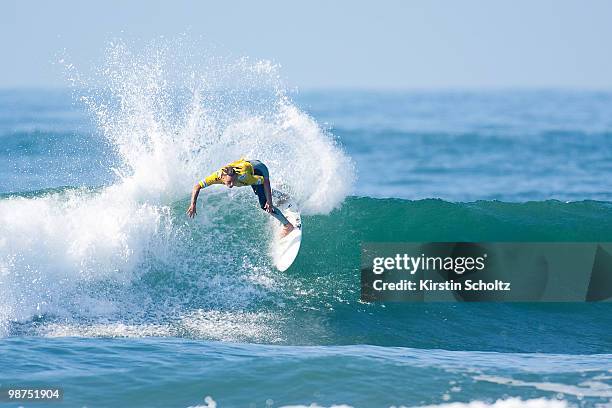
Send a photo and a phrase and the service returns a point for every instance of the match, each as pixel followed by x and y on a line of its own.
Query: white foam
pixel 234 326
pixel 107 330
pixel 589 388
pixel 173 128
pixel 506 403
pixel 172 118
pixel 228 326
pixel 501 403
pixel 210 403
pixel 59 241
pixel 315 405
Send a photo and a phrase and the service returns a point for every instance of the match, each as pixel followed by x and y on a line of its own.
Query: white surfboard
pixel 285 250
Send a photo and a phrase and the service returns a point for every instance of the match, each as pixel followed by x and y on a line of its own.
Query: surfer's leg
pixel 261 169
pixel 261 195
pixel 276 213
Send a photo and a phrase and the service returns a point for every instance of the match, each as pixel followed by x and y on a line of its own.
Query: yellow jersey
pixel 244 175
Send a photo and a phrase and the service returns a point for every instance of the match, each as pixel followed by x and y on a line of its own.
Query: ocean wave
pixel 91 259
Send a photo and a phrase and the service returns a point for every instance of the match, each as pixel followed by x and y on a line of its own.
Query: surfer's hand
pixel 268 207
pixel 191 211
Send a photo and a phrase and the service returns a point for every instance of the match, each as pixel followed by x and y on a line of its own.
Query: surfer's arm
pixel 191 211
pixel 212 179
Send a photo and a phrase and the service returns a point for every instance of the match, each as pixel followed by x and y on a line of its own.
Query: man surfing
pixel 239 174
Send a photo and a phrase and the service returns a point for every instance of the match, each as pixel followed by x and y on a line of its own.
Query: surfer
pixel 239 174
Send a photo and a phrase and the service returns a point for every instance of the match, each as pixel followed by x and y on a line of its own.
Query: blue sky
pixel 364 44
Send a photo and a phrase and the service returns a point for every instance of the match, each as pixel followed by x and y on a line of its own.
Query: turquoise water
pixel 109 291
pixel 182 372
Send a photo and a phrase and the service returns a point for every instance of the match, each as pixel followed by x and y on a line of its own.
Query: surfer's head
pixel 228 176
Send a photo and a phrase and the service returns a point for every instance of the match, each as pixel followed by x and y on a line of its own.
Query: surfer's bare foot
pixel 287 230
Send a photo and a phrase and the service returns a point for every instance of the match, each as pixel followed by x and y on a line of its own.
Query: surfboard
pixel 286 249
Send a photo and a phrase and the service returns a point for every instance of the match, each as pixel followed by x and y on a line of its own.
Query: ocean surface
pixel 110 292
